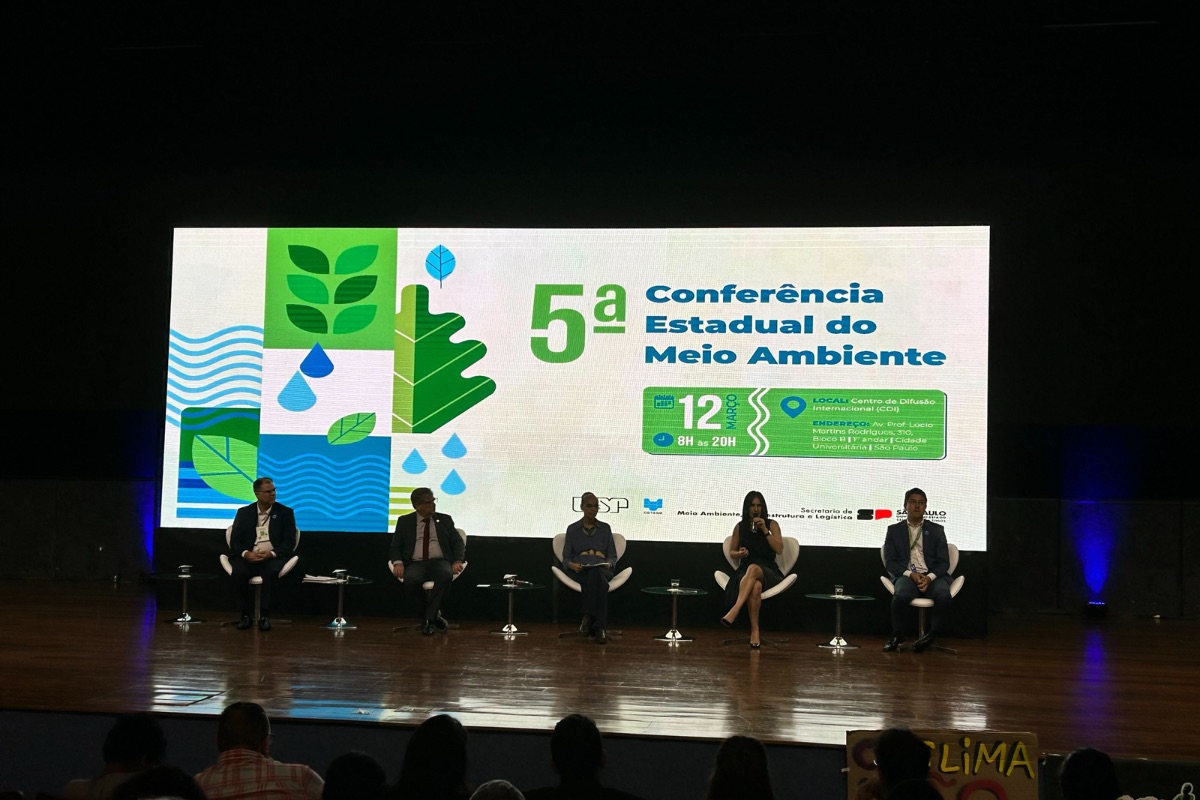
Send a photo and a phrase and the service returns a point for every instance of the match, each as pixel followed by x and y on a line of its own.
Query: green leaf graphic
pixel 430 389
pixel 226 464
pixel 307 318
pixel 356 259
pixel 308 289
pixel 354 289
pixel 354 319
pixel 351 428
pixel 309 259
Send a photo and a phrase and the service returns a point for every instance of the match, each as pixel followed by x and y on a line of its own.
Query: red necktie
pixel 425 538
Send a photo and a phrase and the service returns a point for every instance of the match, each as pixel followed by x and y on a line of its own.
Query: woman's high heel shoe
pixel 726 623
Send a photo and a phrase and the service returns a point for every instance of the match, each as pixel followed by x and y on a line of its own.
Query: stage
pixel 1127 686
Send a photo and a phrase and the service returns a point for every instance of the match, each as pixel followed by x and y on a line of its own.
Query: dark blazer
pixel 404 540
pixel 933 544
pixel 281 526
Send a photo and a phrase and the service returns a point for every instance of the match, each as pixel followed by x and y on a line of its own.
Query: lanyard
pixel 912 543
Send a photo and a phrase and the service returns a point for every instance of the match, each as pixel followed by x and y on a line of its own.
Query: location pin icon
pixel 793 406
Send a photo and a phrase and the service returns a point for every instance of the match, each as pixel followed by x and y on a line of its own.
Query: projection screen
pixel 669 371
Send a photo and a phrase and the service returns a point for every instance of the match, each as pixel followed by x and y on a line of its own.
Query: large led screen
pixel 667 371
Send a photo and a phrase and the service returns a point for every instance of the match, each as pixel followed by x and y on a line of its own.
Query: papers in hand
pixel 321 579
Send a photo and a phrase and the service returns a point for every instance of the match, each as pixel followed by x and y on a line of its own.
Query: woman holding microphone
pixel 756 541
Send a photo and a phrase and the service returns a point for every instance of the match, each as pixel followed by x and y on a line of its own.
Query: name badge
pixel 262 539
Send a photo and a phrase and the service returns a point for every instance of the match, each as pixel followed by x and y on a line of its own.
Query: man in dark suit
pixel 426 547
pixel 918 559
pixel 262 541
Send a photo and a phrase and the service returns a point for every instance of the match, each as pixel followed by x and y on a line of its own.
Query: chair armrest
pixel 566 580
pixel 619 579
pixel 780 587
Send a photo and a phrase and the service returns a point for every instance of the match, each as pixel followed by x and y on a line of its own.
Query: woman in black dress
pixel 756 541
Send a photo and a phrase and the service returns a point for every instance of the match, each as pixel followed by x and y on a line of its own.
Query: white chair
pixel 617 581
pixel 923 603
pixel 428 585
pixel 256 581
pixel 786 560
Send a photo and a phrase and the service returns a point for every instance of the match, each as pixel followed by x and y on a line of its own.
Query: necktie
pixel 425 538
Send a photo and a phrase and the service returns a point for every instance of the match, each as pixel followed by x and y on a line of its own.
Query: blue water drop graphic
pixel 453 484
pixel 663 439
pixel 296 396
pixel 454 447
pixel 414 464
pixel 316 364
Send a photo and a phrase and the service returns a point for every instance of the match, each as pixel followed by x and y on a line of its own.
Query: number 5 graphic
pixel 543 315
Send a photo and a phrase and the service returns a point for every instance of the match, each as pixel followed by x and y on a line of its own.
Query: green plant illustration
pixel 226 464
pixel 351 428
pixel 311 316
pixel 429 388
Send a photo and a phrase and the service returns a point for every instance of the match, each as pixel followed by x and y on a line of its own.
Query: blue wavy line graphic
pixel 323 480
pixel 196 399
pixel 214 384
pixel 197 365
pixel 207 422
pixel 174 348
pixel 218 371
pixel 174 412
pixel 222 332
pixel 309 458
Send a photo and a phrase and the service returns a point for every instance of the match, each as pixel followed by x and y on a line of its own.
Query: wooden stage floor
pixel 1130 687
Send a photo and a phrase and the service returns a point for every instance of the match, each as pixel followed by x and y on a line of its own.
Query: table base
pixel 340 624
pixel 674 636
pixel 838 643
pixel 183 619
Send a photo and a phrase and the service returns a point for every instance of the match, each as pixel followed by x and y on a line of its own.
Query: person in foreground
pixel 756 541
pixel 262 541
pixel 901 768
pixel 426 547
pixel 1088 774
pixel 741 771
pixel 590 551
pixel 917 557
pixel 577 752
pixel 354 776
pixel 245 769
pixel 497 790
pixel 165 780
pixel 435 762
pixel 135 743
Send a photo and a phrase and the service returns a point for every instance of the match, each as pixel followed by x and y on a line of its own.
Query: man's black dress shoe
pixel 923 644
pixel 244 623
pixel 893 643
pixel 585 627
pixel 439 622
pixel 264 624
pixel 601 636
pixel 427 627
